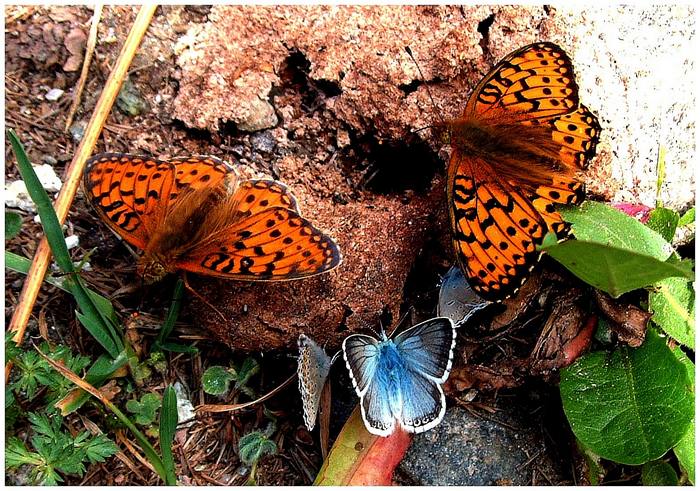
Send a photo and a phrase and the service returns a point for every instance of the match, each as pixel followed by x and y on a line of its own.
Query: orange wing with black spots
pixel 515 152
pixel 533 82
pixel 193 214
pixel 132 193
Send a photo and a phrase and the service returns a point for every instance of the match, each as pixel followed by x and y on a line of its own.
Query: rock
pixel 72 241
pixel 263 142
pixel 233 61
pixel 258 115
pixel 17 196
pixel 466 450
pixel 54 94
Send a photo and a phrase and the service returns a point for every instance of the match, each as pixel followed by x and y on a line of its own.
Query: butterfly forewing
pixel 533 82
pixel 130 192
pixel 271 244
pixel 361 355
pixel 257 195
pixel 427 348
pixel 578 134
pixel 457 300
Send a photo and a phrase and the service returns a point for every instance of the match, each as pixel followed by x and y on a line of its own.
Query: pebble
pixel 77 131
pixel 262 116
pixel 54 94
pixel 185 409
pixel 263 142
pixel 72 241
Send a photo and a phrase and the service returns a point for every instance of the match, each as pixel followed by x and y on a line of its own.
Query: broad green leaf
pixel 603 224
pixel 144 411
pixel 13 224
pixel 252 446
pixel 664 222
pixel 612 269
pixel 630 406
pixel 685 450
pixel 687 218
pixel 673 304
pixel 216 379
pixel 168 425
pixel 659 473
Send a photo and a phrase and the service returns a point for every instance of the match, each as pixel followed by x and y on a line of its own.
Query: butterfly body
pixel 399 380
pixel 516 151
pixel 194 214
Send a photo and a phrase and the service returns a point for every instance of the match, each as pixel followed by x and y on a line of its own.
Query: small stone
pixel 16 196
pixel 129 100
pixel 263 142
pixel 342 138
pixel 261 116
pixel 48 178
pixel 77 131
pixel 49 159
pixel 185 409
pixel 54 94
pixel 72 241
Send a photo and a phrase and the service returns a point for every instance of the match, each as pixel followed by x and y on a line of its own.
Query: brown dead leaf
pixel 628 321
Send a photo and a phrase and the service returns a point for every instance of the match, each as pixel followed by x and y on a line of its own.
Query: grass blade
pixel 168 424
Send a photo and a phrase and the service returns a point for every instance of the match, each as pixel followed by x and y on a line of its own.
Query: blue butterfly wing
pixel 423 405
pixel 361 355
pixel 426 348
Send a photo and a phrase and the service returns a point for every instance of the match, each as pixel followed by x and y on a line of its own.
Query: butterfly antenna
pixel 403 318
pixel 427 87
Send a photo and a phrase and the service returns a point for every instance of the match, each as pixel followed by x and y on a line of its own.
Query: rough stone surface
pixel 467 450
pixel 235 59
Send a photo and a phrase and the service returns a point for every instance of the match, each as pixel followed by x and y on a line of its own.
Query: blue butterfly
pixel 399 379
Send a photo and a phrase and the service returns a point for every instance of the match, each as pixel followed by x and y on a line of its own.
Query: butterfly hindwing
pixel 423 404
pixel 427 348
pixel 496 231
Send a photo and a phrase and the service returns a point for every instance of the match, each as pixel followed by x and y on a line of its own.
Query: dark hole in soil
pixel 295 73
pixel 397 166
pixel 410 88
pixel 483 29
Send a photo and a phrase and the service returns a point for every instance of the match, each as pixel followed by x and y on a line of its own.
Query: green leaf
pixel 253 446
pixel 168 425
pixel 659 473
pixel 664 222
pixel 685 450
pixel 611 269
pixel 177 348
pixel 144 410
pixel 13 224
pixel 216 379
pixel 629 406
pixel 17 454
pixel 687 218
pixel 99 448
pixel 603 224
pixel 173 313
pixel 96 328
pixel 673 304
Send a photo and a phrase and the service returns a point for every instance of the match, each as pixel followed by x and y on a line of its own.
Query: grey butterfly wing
pixel 457 300
pixel 423 404
pixel 361 355
pixel 312 370
pixel 427 348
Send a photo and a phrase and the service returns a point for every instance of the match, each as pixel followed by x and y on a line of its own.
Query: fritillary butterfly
pixel 194 214
pixel 515 152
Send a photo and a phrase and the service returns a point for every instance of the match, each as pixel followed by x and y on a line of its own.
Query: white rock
pixel 185 410
pixel 48 178
pixel 72 241
pixel 16 196
pixel 54 94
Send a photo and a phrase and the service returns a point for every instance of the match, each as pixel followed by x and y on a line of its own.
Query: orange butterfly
pixel 193 214
pixel 515 152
